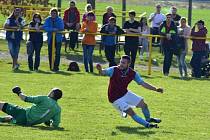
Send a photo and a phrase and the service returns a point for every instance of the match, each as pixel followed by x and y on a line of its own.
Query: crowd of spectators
pixel 172 26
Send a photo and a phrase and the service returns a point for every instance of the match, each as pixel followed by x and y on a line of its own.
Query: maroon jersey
pixel 118 83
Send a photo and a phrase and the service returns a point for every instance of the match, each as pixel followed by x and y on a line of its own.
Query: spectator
pixel 175 17
pixel 54 23
pixel 110 41
pixel 144 29
pixel 168 29
pixel 35 42
pixel 131 43
pixel 16 22
pixel 198 48
pixel 184 31
pixel 88 8
pixel 88 42
pixel 156 19
pixel 72 22
pixel 109 13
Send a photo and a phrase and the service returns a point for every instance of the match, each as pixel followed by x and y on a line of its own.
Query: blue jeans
pixel 32 47
pixel 182 64
pixel 196 63
pixel 57 55
pixel 88 57
pixel 14 47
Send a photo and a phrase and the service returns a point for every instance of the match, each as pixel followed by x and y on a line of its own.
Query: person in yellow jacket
pixel 88 43
pixel 168 29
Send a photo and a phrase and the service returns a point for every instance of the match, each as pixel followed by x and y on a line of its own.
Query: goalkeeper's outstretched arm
pixel 17 90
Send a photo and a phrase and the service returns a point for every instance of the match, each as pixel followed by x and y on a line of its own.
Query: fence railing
pixel 149 36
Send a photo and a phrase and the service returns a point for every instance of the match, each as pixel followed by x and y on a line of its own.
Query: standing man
pixel 175 17
pixel 131 43
pixel 110 41
pixel 54 23
pixel 156 19
pixel 198 48
pixel 45 109
pixel 121 98
pixel 72 22
pixel 168 29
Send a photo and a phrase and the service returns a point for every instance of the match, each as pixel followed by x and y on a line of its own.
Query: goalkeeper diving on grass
pixel 122 99
pixel 45 109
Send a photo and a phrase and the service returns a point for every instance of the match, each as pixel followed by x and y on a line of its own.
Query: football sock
pixel 140 120
pixel 146 113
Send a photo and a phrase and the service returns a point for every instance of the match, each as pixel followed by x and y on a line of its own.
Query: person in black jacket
pixel 35 42
pixel 109 13
pixel 131 42
pixel 110 41
pixel 168 29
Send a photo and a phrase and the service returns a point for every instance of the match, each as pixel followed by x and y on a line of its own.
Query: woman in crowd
pixel 144 29
pixel 54 23
pixel 89 42
pixel 109 13
pixel 16 22
pixel 35 42
pixel 88 8
pixel 184 31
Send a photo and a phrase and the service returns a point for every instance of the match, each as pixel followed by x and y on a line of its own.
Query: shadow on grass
pixel 47 128
pixel 78 57
pixel 34 127
pixel 65 73
pixel 190 78
pixel 150 77
pixel 135 130
pixel 22 71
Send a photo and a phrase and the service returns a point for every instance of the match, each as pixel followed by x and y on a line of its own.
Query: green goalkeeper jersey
pixel 44 109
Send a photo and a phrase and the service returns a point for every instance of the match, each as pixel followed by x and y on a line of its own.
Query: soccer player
pixel 121 98
pixel 45 109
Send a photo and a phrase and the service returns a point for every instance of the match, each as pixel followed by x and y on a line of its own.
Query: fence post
pixel 150 55
pixel 53 50
pixel 123 12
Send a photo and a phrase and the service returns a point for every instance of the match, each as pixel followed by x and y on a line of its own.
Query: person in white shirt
pixel 156 19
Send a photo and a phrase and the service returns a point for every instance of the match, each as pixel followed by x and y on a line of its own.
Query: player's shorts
pixel 18 113
pixel 129 100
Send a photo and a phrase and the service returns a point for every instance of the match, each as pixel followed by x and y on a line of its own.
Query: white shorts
pixel 129 100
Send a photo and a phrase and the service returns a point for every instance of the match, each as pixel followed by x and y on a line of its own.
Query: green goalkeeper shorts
pixel 18 113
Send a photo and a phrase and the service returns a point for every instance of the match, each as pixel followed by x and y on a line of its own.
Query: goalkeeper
pixel 45 109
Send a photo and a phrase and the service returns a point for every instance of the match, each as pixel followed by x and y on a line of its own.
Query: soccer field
pixel 87 114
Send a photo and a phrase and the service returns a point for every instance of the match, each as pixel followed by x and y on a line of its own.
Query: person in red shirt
pixel 123 99
pixel 72 22
pixel 198 48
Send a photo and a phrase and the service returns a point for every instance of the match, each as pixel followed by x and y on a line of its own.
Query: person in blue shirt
pixel 110 41
pixel 54 23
